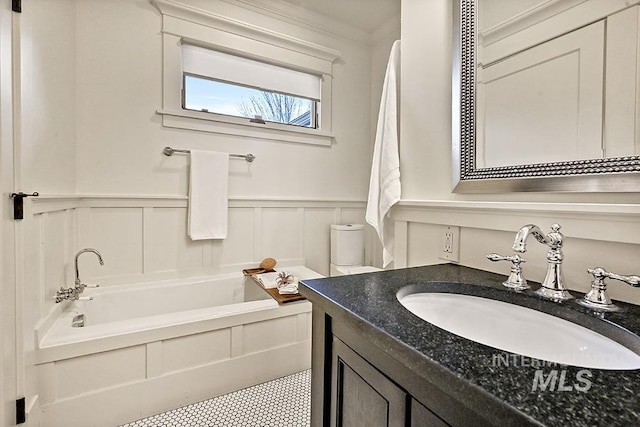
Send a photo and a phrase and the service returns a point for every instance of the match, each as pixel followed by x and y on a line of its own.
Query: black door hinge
pixel 21 414
pixel 18 204
pixel 16 6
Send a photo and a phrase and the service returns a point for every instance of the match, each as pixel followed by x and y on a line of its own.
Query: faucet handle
pixel 597 298
pixel 515 280
pixel 516 259
pixel 600 272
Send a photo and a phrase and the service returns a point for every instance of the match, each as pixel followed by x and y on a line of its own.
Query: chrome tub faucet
pixel 553 284
pixel 77 281
pixel 74 292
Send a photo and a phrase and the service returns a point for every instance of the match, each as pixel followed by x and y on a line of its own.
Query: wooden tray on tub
pixel 282 299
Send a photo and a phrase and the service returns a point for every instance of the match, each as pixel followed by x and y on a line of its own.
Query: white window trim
pixel 182 23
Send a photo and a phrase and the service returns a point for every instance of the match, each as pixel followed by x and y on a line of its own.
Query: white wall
pixel 48 55
pixel 597 233
pixel 120 138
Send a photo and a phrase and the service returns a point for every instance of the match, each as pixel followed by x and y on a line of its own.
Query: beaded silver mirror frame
pixel 618 174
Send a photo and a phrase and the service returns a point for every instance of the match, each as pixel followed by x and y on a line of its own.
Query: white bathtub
pixel 148 348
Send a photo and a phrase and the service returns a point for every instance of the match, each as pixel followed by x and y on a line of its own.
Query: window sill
pixel 215 123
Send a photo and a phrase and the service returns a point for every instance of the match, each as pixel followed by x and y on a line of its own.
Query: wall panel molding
pixel 47 203
pixel 605 235
pixel 615 222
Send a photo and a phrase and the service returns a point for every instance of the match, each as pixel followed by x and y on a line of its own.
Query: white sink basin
pixel 520 330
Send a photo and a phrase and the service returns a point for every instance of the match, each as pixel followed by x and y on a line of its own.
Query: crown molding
pixel 390 28
pixel 214 20
pixel 300 16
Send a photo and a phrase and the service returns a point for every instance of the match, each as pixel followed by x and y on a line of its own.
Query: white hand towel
pixel 384 185
pixel 268 280
pixel 208 195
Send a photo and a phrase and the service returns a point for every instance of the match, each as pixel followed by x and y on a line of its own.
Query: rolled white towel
pixel 289 288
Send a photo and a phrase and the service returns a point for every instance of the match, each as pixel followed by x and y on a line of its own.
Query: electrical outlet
pixel 450 248
pixel 448 242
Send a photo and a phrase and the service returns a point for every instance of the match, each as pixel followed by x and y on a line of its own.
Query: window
pixel 208 56
pixel 220 83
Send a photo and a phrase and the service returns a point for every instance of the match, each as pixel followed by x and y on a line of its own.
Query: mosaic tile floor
pixel 284 402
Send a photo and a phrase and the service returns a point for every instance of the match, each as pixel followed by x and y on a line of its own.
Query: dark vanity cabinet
pixel 363 396
pixel 371 364
pixel 374 363
pixel 351 386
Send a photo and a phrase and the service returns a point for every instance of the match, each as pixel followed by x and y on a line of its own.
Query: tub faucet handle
pixel 515 280
pixel 63 294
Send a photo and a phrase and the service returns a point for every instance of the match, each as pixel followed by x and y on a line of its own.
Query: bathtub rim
pixel 82 348
pixel 64 351
pixel 55 310
pixel 142 324
pixel 44 326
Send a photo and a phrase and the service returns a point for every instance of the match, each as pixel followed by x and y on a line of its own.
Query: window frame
pixel 181 24
pixel 314 103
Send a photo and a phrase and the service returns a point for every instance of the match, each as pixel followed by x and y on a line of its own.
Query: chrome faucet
pixel 553 283
pixel 74 293
pixel 515 280
pixel 597 298
pixel 77 281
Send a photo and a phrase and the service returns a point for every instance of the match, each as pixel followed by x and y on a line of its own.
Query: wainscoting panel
pixel 118 234
pixel 52 242
pixel 596 235
pixel 239 246
pixel 79 375
pixel 166 244
pixel 281 233
pixel 351 216
pixel 205 348
pixel 317 247
pixel 145 238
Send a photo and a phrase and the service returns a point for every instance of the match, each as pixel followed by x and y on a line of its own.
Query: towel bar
pixel 168 151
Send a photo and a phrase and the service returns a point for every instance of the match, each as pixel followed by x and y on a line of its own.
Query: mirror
pixel 545 96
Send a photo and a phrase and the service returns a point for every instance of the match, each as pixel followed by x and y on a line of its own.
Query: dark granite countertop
pixel 608 398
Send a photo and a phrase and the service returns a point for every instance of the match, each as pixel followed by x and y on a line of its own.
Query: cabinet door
pixel 361 395
pixel 423 417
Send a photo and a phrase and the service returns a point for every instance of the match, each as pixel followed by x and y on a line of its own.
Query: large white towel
pixel 208 195
pixel 384 185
